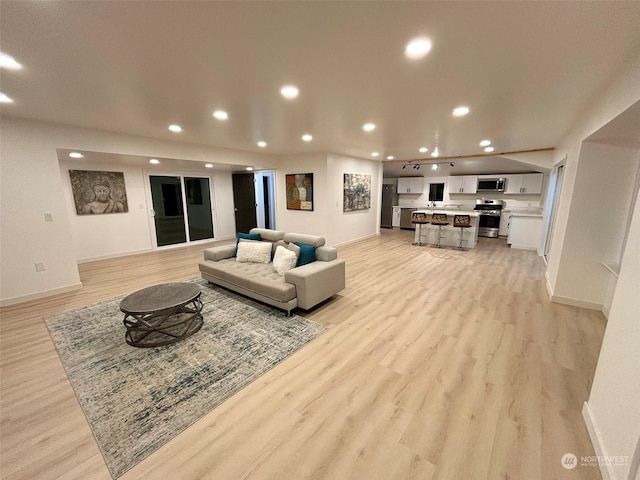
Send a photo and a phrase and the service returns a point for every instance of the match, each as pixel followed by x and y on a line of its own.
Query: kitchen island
pixel 428 234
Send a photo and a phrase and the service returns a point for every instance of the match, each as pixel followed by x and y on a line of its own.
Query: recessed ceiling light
pixel 368 127
pixel 460 111
pixel 262 144
pixel 75 155
pixel 307 138
pixel 485 143
pixel 175 128
pixel 374 154
pixel 417 48
pixel 423 150
pixel 249 169
pixel 221 114
pixel 488 149
pixel 435 152
pixel 155 161
pixel 434 166
pixel 208 165
pixel 289 91
pixel 390 157
pixel 7 61
pixel 5 99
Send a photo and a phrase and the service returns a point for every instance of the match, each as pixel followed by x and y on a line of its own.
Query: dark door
pixel 244 201
pixel 166 193
pixel 267 205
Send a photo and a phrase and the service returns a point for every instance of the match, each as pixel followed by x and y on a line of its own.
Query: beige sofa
pixel 304 286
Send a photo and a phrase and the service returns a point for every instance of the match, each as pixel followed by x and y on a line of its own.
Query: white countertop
pixel 447 211
pixel 525 214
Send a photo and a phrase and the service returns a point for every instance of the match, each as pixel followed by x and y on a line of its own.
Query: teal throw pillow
pixel 307 254
pixel 246 236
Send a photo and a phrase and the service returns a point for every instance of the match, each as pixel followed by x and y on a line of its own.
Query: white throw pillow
pixel 254 252
pixel 284 260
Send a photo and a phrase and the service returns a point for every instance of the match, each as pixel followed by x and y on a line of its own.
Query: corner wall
pixel 31 184
pixel 622 93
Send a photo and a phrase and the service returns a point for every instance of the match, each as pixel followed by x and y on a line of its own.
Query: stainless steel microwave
pixel 491 184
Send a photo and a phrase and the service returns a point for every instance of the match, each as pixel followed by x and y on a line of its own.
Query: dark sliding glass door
pixel 182 210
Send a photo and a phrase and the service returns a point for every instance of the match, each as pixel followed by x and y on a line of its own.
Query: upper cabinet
pixel 463 184
pixel 410 184
pixel 528 183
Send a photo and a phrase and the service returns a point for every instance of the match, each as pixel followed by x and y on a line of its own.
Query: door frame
pixel 150 212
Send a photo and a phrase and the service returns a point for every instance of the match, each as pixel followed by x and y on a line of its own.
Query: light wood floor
pixel 437 364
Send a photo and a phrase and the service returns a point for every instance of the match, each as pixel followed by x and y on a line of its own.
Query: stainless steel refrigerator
pixel 389 200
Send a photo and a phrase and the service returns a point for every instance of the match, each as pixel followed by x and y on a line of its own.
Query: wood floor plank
pixel 436 365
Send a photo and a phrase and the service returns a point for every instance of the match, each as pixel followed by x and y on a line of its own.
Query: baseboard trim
pixel 596 440
pixel 574 302
pixel 35 296
pixel 356 240
pixel 114 255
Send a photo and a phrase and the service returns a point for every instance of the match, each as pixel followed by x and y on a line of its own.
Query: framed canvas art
pixel 299 188
pixel 357 192
pixel 96 193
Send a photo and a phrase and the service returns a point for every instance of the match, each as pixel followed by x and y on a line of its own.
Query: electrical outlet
pixel 39 266
pixel 48 217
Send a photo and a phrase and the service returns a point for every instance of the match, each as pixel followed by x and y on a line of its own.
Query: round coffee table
pixel 162 314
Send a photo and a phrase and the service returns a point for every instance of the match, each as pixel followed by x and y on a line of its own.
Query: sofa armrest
pixel 220 252
pixel 317 281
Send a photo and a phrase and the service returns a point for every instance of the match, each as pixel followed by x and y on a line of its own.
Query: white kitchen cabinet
pixel 528 183
pixel 395 218
pixel 410 184
pixel 525 231
pixel 463 184
pixel 503 231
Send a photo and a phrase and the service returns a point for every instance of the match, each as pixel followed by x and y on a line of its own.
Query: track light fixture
pixel 434 165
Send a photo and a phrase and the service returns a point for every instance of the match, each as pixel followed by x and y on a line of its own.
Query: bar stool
pixel 419 219
pixel 439 220
pixel 461 222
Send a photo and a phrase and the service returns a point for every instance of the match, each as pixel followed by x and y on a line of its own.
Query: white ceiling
pixel 525 69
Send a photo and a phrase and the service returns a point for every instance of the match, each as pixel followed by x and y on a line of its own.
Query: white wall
pixel 614 402
pixel 623 92
pixel 601 200
pixel 303 221
pixel 328 218
pixel 345 227
pixel 99 236
pixel 612 410
pixel 31 184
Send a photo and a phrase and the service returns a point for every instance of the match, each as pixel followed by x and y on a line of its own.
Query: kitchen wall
pixel 512 202
pixel 32 184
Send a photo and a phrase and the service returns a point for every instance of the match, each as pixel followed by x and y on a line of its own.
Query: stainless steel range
pixel 488 217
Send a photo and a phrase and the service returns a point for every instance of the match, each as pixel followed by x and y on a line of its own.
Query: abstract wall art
pixel 357 192
pixel 299 191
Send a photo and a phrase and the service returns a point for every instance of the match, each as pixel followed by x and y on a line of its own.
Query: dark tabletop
pixel 159 297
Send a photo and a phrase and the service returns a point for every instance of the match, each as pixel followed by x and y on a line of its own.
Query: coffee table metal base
pixel 156 328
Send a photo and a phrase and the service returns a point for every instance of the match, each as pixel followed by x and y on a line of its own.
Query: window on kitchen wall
pixel 436 192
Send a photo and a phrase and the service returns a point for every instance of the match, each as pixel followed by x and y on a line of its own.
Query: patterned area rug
pixel 137 399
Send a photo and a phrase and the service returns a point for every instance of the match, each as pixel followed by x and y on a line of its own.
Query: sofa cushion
pixel 247 236
pixel 295 249
pixel 268 234
pixel 307 254
pixel 306 239
pixel 258 277
pixel 254 252
pixel 284 260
